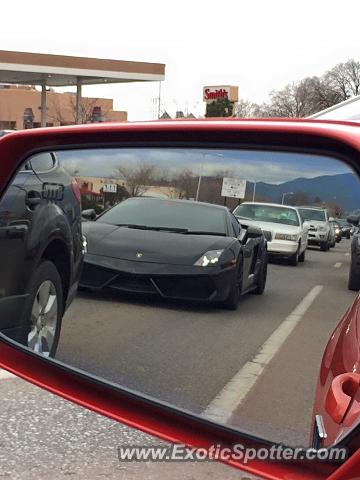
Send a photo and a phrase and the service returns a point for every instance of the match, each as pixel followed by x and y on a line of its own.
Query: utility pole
pixel 253 198
pixel 284 195
pixel 159 104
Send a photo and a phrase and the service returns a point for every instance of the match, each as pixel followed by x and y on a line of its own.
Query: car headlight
pixel 84 244
pixel 322 229
pixel 285 236
pixel 337 230
pixel 209 258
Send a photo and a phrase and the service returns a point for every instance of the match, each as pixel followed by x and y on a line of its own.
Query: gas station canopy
pixel 60 71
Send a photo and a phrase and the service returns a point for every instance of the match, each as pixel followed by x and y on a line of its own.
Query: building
pixel 94 187
pixel 96 184
pixel 17 101
pixel 25 107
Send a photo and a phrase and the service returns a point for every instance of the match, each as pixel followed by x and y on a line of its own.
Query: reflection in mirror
pixel 210 279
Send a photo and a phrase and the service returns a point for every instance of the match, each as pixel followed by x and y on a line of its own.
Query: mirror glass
pixel 209 279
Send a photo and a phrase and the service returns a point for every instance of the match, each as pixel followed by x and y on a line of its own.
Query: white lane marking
pixel 233 394
pixel 337 264
pixel 4 374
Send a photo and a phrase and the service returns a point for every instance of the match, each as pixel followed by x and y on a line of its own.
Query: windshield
pixel 343 223
pixel 312 214
pixel 267 213
pixel 155 213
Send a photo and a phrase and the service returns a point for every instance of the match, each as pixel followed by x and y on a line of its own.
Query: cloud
pixel 269 167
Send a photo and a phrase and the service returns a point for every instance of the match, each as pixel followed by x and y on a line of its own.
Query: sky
pixel 259 166
pixel 258 45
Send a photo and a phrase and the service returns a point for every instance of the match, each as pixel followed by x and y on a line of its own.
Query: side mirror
pixel 135 280
pixel 43 162
pixel 353 219
pixel 331 219
pixel 89 214
pixel 252 232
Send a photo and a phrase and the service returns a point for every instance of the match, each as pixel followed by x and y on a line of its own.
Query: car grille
pixel 96 277
pixel 186 287
pixel 131 283
pixel 194 287
pixel 267 235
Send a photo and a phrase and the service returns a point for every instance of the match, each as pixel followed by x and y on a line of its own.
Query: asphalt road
pixel 187 355
pixel 45 437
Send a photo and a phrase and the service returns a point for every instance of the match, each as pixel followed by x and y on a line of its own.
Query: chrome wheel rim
pixel 44 315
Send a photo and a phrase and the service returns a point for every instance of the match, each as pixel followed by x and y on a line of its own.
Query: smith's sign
pixel 211 94
pixel 215 94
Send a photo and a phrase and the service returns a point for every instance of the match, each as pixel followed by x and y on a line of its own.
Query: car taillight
pixel 76 190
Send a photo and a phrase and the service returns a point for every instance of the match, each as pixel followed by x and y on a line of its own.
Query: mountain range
pixel 341 189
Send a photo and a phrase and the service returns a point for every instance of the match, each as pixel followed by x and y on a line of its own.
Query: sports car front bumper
pixel 167 280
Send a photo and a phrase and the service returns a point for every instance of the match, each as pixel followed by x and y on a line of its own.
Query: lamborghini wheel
pixel 232 301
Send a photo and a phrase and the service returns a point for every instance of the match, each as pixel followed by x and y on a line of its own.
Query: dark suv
pixel 354 273
pixel 41 252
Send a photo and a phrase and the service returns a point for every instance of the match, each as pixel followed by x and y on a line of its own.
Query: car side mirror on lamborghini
pixel 157 316
pixel 253 232
pixel 89 214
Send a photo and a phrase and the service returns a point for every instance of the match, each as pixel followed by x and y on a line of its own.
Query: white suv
pixel 320 231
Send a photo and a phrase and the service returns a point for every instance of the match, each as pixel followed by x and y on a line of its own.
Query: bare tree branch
pixel 138 179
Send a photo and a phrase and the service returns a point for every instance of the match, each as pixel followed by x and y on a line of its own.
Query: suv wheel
pixel 43 313
pixel 325 246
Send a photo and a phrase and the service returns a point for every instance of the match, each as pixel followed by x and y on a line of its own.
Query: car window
pixel 312 214
pixel 167 213
pixel 267 213
pixel 235 225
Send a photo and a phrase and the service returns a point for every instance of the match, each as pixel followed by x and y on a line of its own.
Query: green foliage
pixel 86 204
pixel 219 108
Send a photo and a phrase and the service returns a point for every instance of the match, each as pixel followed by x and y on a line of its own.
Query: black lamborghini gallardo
pixel 177 249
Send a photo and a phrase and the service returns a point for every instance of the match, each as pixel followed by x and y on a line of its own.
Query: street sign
pixel 233 187
pixel 110 188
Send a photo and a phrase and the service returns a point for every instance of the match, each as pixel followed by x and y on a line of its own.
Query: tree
pixel 344 79
pixel 309 95
pixel 245 109
pixel 296 100
pixel 298 198
pixel 334 209
pixel 64 114
pixel 186 183
pixel 219 108
pixel 138 179
pixel 324 95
